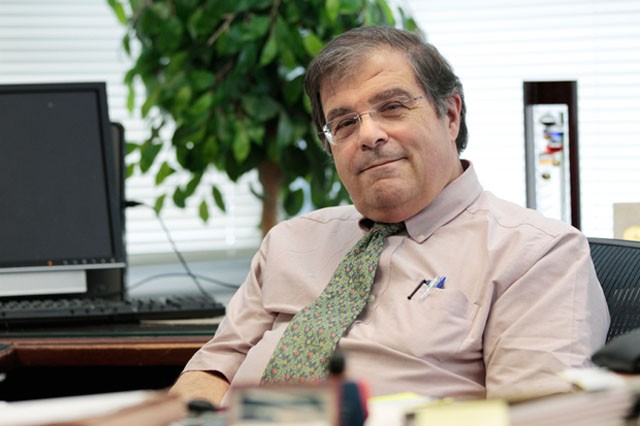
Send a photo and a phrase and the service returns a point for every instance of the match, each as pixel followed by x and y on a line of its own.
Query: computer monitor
pixel 61 228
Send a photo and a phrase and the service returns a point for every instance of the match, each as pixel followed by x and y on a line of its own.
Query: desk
pixel 50 362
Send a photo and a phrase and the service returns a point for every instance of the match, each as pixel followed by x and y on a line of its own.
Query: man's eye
pixel 392 106
pixel 345 123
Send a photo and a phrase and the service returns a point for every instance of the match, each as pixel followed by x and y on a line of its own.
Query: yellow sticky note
pixel 476 413
pixel 390 410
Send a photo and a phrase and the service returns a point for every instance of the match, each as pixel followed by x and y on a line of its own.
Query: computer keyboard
pixel 82 310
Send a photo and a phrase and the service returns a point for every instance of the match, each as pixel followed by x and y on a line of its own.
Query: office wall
pixel 494 46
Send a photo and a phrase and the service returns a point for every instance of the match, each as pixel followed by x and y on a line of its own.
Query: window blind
pixel 495 45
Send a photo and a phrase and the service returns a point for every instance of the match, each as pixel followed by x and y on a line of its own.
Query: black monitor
pixel 61 228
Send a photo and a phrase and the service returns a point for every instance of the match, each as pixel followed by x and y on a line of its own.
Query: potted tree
pixel 226 77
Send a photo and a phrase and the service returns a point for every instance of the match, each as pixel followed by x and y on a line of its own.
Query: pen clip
pixel 430 284
pixel 436 282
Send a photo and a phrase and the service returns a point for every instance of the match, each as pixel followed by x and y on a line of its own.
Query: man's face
pixel 392 170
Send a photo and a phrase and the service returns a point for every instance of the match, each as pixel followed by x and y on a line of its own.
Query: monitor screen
pixel 58 199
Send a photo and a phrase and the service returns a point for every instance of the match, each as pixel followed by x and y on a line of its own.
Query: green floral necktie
pixel 311 337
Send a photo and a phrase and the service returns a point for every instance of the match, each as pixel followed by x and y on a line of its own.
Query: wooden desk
pixel 47 363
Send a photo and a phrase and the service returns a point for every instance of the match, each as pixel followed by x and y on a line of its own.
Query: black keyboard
pixel 81 310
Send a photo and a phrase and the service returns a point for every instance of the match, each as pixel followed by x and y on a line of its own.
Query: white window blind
pixel 495 45
pixel 80 40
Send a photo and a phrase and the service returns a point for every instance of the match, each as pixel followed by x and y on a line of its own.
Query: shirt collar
pixel 452 200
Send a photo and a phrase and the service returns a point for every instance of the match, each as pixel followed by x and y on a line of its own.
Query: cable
pixel 195 277
pixel 179 274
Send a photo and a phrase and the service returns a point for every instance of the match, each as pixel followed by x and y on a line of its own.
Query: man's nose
pixel 370 131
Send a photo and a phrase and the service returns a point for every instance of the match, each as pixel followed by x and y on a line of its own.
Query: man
pixel 516 301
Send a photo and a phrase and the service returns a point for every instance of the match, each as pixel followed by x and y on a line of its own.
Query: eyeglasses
pixel 340 129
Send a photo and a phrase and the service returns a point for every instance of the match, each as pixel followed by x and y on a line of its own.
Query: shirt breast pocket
pixel 442 323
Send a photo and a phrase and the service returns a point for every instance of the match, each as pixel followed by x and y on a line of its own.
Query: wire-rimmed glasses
pixel 340 129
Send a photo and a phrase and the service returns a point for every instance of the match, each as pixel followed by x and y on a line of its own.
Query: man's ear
pixel 453 115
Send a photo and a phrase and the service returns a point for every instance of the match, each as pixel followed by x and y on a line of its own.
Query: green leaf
pixel 306 102
pixel 174 64
pixel 224 129
pixel 269 51
pixel 202 104
pixel 129 77
pixel 131 147
pixel 194 23
pixel 211 149
pixel 192 185
pixel 157 206
pixel 262 108
pixel 248 59
pixel 232 168
pixel 203 211
pixel 160 10
pixel 256 134
pixel 201 80
pixel 179 198
pixel 332 7
pixel 293 91
pixel 297 161
pixel 165 171
pixel 285 130
pixel 387 13
pixel 255 193
pixel 131 168
pixel 118 10
pixel 293 202
pixel 257 27
pixel 150 102
pixel 131 100
pixel 241 143
pixel 287 57
pixel 408 23
pixel 289 42
pixel 148 153
pixel 135 4
pixel 350 7
pixel 218 198
pixel 126 44
pixel 181 99
pixel 312 44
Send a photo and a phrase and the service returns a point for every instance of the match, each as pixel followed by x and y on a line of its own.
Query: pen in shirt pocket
pixel 437 282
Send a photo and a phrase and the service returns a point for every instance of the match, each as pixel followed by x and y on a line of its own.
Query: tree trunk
pixel 271 177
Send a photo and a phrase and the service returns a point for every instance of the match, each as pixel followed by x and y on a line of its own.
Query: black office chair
pixel 617 264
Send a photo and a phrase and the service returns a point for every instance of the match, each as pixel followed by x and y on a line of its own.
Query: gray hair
pixel 343 55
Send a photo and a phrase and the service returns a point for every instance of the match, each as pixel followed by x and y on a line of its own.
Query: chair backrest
pixel 617 264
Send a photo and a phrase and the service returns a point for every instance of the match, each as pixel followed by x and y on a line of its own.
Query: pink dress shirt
pixel 520 304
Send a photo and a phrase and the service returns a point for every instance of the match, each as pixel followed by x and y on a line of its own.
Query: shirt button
pixel 372 297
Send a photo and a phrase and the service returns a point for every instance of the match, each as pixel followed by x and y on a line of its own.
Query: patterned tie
pixel 311 337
